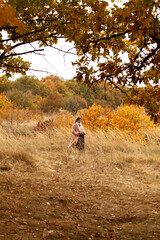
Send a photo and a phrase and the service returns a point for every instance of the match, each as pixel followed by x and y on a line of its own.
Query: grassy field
pixel 47 191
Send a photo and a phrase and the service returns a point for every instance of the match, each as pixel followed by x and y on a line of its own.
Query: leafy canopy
pixel 122 42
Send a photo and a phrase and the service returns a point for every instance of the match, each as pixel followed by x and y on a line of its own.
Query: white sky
pixel 51 60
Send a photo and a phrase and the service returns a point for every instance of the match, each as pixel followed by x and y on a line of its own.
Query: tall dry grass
pixel 110 189
pixel 110 157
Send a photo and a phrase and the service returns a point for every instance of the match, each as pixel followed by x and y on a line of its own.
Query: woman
pixel 78 132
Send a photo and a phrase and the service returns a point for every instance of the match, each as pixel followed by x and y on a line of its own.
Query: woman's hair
pixel 77 119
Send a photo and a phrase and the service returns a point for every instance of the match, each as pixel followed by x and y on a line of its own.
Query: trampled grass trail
pixel 47 191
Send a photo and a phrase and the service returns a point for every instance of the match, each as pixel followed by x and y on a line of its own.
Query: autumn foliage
pixel 130 119
pixel 10 113
pixel 96 117
pixel 5 105
pixel 127 118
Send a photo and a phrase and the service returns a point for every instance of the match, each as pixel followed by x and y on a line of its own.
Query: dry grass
pixel 110 191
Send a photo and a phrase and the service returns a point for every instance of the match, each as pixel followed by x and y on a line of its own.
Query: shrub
pixel 52 103
pixel 127 118
pixel 42 126
pixel 5 105
pixel 63 120
pixel 75 103
pixel 93 117
pixel 131 119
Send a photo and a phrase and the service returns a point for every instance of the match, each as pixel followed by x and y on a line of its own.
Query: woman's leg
pixel 80 143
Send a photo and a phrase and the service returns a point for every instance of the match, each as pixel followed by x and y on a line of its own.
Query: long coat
pixel 75 132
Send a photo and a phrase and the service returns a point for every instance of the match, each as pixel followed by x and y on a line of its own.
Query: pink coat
pixel 75 132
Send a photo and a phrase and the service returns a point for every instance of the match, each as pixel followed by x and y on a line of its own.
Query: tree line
pixel 53 93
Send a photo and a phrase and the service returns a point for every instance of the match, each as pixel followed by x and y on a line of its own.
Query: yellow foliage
pixel 129 119
pixel 63 120
pixel 8 112
pixel 7 17
pixel 97 117
pixel 5 105
pixel 93 117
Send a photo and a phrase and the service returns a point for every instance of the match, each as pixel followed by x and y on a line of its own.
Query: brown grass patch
pixel 110 191
pixel 16 161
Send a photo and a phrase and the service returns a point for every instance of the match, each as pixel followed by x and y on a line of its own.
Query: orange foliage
pixel 130 119
pixel 5 105
pixel 96 117
pixel 8 16
pixel 8 112
pixel 63 120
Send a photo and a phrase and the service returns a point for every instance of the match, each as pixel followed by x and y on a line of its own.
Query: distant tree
pixel 29 100
pixel 51 103
pixel 52 78
pixel 75 103
pixel 73 87
pixel 30 83
pixel 5 84
pixel 117 94
pixel 16 97
pixel 90 94
pixel 22 99
pixel 61 87
pixel 101 102
pixel 55 84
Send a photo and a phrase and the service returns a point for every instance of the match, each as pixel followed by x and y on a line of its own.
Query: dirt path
pixel 35 207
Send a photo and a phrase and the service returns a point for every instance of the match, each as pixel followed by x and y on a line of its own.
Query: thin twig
pixel 18 54
pixel 29 69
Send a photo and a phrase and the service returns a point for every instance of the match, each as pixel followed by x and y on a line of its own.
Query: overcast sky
pixel 51 60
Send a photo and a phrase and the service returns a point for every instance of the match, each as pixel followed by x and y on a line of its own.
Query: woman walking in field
pixel 79 135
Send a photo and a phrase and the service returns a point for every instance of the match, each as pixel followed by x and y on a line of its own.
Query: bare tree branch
pixel 60 50
pixel 17 45
pixel 108 78
pixel 148 56
pixel 145 59
pixel 31 69
pixel 23 35
pixel 104 38
pixel 18 54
